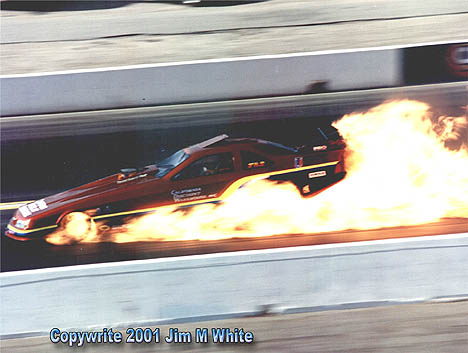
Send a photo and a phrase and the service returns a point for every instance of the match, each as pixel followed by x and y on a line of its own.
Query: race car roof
pixel 223 140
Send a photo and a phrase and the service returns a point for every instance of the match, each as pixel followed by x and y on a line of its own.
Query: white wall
pixel 223 285
pixel 197 81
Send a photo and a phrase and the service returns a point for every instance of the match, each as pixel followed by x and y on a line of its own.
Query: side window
pixel 252 160
pixel 210 165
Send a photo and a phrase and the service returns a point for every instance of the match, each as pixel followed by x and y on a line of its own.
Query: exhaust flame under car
pixel 400 171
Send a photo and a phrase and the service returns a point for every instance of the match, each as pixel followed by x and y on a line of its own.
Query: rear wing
pixel 329 133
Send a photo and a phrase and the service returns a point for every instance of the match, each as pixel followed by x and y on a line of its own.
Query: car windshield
pixel 167 164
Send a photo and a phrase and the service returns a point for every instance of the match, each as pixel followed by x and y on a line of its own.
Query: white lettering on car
pixel 33 207
pixel 320 173
pixel 41 204
pixel 187 194
pixel 130 179
pixel 30 208
pixel 320 148
pixel 24 211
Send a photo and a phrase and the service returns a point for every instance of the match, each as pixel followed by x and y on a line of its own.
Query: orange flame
pixel 74 228
pixel 399 172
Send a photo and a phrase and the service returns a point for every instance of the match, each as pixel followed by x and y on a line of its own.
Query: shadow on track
pixel 53 6
pixel 207 3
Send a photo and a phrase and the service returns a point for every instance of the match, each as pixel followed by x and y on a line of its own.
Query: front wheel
pixel 77 226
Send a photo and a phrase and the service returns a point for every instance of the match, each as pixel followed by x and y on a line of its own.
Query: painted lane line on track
pixel 111 265
pixel 12 205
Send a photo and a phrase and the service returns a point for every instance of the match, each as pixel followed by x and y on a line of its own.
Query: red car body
pixel 206 172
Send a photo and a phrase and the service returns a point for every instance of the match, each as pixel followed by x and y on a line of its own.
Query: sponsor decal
pixel 298 162
pixel 187 194
pixel 30 208
pixel 256 164
pixel 457 58
pixel 306 189
pixel 320 148
pixel 318 174
pixel 130 179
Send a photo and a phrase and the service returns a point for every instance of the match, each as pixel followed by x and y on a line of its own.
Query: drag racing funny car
pixel 209 171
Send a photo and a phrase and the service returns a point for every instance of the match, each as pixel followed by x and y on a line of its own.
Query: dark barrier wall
pixel 435 63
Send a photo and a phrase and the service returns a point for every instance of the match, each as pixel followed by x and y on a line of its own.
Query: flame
pixel 400 171
pixel 75 227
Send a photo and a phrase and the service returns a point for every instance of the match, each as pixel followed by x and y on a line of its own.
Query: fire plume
pixel 400 171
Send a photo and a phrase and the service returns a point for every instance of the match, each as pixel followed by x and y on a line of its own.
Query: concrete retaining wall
pixel 210 80
pixel 231 284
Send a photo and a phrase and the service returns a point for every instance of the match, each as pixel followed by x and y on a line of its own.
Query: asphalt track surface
pixel 418 328
pixel 39 254
pixel 62 36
